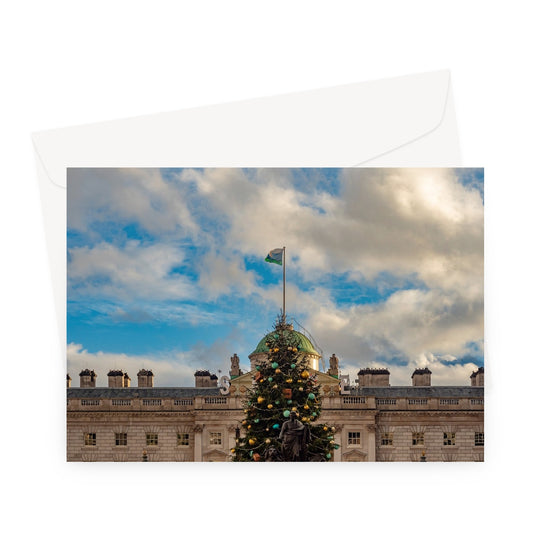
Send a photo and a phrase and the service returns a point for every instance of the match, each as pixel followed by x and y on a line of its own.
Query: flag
pixel 275 256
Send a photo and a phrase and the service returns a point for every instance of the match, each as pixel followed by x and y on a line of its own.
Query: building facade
pixel 373 420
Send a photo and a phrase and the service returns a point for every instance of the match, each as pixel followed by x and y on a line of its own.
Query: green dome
pixel 305 345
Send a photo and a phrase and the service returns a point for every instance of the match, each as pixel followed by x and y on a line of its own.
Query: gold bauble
pixel 260 399
pixel 278 371
pixel 251 442
pixel 306 406
pixel 305 374
pixel 294 409
pixel 267 441
pixel 276 349
pixel 301 389
pixel 270 406
pixel 250 427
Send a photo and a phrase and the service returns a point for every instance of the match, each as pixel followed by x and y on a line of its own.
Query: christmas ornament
pixel 233 450
pixel 276 349
pixel 287 393
pixel 311 396
pixel 294 409
pixel 286 413
pixel 328 455
pixel 270 378
pixel 256 457
pixel 275 426
pixel 275 365
pixel 270 406
pixel 289 401
pixel 293 365
pixel 306 406
pixel 257 367
pixel 300 389
pixel 256 421
pixel 278 371
pixel 260 399
pixel 251 442
pixel 249 427
pixel 305 374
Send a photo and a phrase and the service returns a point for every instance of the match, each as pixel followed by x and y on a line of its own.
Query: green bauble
pixel 311 396
pixel 275 365
pixel 286 413
pixel 293 365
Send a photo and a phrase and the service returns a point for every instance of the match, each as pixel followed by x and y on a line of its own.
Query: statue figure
pixel 235 369
pixel 272 455
pixel 294 438
pixel 333 365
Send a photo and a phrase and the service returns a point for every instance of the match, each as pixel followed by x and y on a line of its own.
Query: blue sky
pixel 166 268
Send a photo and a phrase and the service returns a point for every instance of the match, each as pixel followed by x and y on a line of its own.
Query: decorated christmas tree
pixel 283 406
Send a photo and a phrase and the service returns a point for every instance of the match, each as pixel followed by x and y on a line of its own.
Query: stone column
pixel 198 431
pixel 337 454
pixel 371 428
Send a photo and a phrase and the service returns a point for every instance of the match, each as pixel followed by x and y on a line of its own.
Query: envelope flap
pixel 340 126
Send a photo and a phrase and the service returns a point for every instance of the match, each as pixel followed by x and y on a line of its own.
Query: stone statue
pixel 294 438
pixel 235 369
pixel 333 365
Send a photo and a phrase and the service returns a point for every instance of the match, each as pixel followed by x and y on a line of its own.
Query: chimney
pixel 127 380
pixel 477 378
pixel 421 377
pixel 145 378
pixel 115 378
pixel 69 381
pixel 202 378
pixel 214 381
pixel 374 377
pixel 87 378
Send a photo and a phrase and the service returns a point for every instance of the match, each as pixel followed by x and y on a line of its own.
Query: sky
pixel 166 269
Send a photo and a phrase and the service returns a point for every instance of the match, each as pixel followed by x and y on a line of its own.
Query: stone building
pixel 374 420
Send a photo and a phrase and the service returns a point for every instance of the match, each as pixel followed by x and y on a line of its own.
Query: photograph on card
pixel 275 314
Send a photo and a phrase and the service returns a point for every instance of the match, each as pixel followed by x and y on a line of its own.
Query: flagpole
pixel 284 284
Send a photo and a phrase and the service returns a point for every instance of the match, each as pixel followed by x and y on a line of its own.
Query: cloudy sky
pixel 166 268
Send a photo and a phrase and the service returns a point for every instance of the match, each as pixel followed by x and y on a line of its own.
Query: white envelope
pixel 400 122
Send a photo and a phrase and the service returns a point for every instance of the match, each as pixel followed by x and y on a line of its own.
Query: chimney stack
pixel 115 378
pixel 374 377
pixel 127 380
pixel 145 378
pixel 421 377
pixel 204 378
pixel 477 378
pixel 87 379
pixel 69 381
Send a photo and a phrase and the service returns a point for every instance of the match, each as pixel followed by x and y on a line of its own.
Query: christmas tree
pixel 284 390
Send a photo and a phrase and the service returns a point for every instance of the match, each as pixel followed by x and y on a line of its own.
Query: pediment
pixel 216 456
pixel 354 456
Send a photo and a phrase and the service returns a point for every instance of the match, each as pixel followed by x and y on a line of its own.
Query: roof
pixel 421 371
pixel 420 392
pixel 115 373
pixel 373 371
pixel 141 392
pixel 305 345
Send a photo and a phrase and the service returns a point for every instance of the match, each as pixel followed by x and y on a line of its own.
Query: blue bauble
pixel 275 426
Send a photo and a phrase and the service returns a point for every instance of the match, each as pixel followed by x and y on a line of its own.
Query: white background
pixel 68 63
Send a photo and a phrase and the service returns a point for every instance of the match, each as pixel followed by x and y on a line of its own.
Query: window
pixel 151 439
pixel 448 439
pixel 90 439
pixel 479 439
pixel 215 437
pixel 183 439
pixel 386 439
pixel 418 438
pixel 121 439
pixel 354 437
